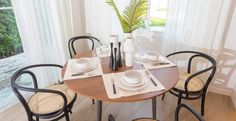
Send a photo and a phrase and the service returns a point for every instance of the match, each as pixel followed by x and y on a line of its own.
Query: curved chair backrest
pixel 17 88
pixel 196 114
pixel 212 68
pixel 71 43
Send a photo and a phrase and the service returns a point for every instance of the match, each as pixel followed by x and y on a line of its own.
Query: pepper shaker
pixel 111 56
pixel 115 66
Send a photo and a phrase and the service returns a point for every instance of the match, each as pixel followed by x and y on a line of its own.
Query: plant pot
pixel 130 50
pixel 126 35
pixel 129 59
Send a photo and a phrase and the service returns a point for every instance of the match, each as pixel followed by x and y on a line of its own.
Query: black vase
pixel 115 66
pixel 111 56
pixel 119 60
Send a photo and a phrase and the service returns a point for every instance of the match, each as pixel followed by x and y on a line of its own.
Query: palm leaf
pixel 133 14
pixel 123 24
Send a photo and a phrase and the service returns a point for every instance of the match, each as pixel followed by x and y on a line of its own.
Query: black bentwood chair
pixel 196 114
pixel 189 86
pixel 71 43
pixel 53 102
pixel 71 46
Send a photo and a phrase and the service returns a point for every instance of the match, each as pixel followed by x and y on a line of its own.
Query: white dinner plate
pixel 160 60
pixel 142 82
pixel 119 83
pixel 88 68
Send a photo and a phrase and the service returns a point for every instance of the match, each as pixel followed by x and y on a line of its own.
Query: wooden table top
pixel 93 87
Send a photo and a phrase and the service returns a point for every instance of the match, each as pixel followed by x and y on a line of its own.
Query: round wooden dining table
pixel 93 87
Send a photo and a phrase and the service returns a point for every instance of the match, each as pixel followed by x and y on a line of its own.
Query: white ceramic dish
pixel 133 85
pixel 121 85
pixel 152 61
pixel 150 58
pixel 83 63
pixel 132 77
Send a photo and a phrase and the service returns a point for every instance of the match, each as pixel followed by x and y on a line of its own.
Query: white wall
pixel 230 44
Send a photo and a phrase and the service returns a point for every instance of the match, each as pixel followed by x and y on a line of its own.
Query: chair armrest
pixel 196 114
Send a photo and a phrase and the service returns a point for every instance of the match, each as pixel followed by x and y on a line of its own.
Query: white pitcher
pixel 130 50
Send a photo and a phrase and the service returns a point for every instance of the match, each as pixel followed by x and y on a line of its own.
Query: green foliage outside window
pixel 5 3
pixel 10 42
pixel 157 22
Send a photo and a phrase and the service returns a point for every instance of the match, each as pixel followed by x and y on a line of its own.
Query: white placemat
pixel 107 80
pixel 69 70
pixel 161 65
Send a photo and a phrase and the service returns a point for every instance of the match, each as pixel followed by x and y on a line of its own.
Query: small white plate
pixel 150 57
pixel 91 66
pixel 121 85
pixel 133 85
pixel 160 60
pixel 82 63
pixel 132 77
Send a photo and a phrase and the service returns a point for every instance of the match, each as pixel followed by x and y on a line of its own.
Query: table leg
pixel 99 110
pixel 154 110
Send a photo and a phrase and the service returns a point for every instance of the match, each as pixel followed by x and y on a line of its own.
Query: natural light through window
pixel 11 52
pixel 158 14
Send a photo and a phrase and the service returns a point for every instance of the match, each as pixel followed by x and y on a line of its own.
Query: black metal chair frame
pixel 71 43
pixel 72 50
pixel 196 114
pixel 191 95
pixel 54 116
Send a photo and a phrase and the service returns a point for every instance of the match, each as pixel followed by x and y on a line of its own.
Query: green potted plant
pixel 131 19
pixel 132 16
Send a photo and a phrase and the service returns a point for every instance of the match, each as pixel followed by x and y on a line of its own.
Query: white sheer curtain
pixel 45 27
pixel 195 25
pixel 101 20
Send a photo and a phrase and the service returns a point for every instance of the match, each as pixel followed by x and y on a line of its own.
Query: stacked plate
pixel 132 81
pixel 152 59
pixel 83 65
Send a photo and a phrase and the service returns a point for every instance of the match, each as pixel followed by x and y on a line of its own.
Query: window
pixel 11 53
pixel 158 14
pixel 10 42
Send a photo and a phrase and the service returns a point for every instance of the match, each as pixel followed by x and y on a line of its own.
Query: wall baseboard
pixel 220 90
pixel 233 98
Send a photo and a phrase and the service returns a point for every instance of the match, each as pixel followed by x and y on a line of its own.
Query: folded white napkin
pixel 70 70
pixel 107 80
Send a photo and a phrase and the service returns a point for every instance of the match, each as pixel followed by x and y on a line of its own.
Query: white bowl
pixel 132 77
pixel 150 57
pixel 83 63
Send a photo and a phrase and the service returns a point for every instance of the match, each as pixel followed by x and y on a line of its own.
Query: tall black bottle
pixel 119 59
pixel 115 64
pixel 111 56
